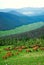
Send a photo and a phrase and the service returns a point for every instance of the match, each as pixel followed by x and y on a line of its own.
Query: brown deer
pixel 7 49
pixel 27 50
pixel 35 48
pixel 9 54
pixel 41 48
pixel 4 57
pixel 23 47
pixel 17 53
pixel 20 50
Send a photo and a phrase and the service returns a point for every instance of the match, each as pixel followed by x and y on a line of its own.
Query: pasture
pixel 21 57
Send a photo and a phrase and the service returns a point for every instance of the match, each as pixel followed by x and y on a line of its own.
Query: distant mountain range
pixel 10 19
pixel 14 19
pixel 31 11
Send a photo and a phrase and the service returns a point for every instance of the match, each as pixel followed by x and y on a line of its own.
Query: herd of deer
pixel 9 53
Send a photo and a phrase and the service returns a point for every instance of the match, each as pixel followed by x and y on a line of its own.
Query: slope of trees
pixel 24 41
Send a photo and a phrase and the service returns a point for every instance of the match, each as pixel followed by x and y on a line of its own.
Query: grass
pixel 24 58
pixel 22 29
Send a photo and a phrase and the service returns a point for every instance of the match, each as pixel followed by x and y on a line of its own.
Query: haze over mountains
pixel 11 18
pixel 16 21
pixel 31 11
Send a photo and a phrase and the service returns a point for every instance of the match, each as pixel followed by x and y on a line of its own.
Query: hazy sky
pixel 21 3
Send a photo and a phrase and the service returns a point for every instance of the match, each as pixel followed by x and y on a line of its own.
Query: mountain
pixel 31 11
pixel 10 19
pixel 19 21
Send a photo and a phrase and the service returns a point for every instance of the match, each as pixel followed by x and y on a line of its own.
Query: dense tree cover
pixel 19 42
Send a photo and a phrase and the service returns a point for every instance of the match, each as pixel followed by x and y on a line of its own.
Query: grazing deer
pixel 17 53
pixel 9 54
pixel 19 49
pixel 42 48
pixel 27 50
pixel 7 49
pixel 35 48
pixel 23 47
pixel 4 57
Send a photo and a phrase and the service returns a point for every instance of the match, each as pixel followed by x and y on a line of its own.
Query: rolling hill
pixel 22 29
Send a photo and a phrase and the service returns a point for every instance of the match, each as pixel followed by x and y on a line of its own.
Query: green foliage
pixel 19 42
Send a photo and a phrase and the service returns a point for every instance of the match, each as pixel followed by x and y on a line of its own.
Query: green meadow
pixel 35 57
pixel 23 58
pixel 9 55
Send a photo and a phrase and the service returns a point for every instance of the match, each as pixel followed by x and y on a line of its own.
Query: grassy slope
pixel 31 58
pixel 23 28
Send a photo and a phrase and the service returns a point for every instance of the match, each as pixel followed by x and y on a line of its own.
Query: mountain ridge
pixel 11 21
pixel 22 29
pixel 37 33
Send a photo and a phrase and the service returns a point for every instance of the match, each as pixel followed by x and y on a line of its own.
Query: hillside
pixel 22 29
pixel 37 33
